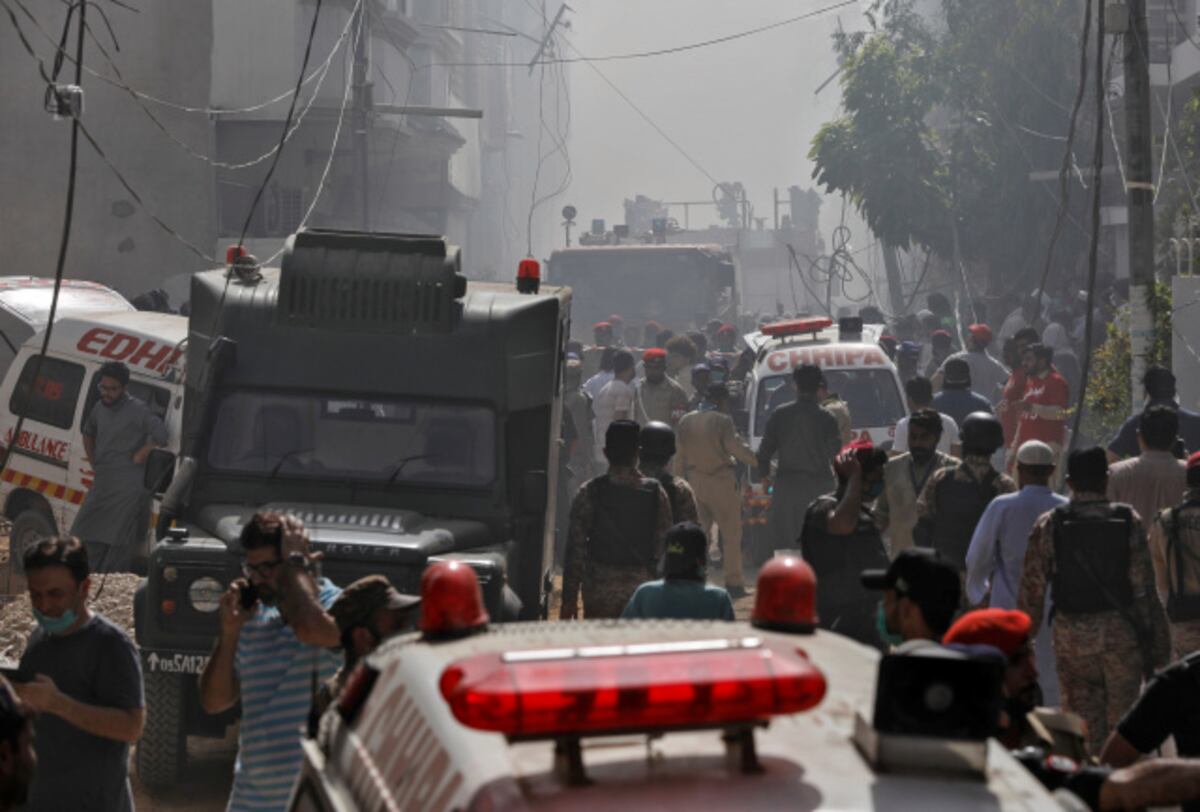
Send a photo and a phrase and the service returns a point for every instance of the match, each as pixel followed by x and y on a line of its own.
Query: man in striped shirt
pixel 271 656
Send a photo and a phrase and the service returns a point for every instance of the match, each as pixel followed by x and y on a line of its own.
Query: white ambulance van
pixel 25 308
pixel 48 476
pixel 856 369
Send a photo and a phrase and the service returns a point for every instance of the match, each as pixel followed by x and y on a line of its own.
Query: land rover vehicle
pixel 403 414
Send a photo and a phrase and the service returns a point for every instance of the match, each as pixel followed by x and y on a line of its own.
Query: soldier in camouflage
pixel 656 447
pixel 1175 551
pixel 617 529
pixel 1109 627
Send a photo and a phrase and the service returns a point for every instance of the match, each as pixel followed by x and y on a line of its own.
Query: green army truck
pixel 366 387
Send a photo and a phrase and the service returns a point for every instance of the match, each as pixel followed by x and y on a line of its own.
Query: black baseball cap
pixel 925 578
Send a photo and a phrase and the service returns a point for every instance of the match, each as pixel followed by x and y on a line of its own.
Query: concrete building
pixel 112 239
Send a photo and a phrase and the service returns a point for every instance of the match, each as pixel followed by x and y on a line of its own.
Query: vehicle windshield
pixel 312 436
pixel 871 394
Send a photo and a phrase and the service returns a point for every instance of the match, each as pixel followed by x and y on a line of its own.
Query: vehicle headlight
pixel 205 594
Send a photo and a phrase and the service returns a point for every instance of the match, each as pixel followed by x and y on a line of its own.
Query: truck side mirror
pixel 159 471
pixel 534 492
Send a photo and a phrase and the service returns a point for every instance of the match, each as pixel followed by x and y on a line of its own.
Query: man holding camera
pixel 277 643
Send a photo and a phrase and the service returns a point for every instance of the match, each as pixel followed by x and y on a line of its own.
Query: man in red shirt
pixel 1043 407
pixel 1008 409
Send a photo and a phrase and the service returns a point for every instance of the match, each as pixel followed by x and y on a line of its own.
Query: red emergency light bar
pixel 529 276
pixel 604 689
pixel 796 327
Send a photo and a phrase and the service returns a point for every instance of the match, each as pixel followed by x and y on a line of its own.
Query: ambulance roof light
pixel 795 327
pixel 451 601
pixel 572 692
pixel 529 276
pixel 785 597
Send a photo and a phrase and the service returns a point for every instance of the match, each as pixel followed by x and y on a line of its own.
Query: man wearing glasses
pixel 118 436
pixel 276 644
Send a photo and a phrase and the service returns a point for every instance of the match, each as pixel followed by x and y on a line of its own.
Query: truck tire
pixel 31 526
pixel 162 750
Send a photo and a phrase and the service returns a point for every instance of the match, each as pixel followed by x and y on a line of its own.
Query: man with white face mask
pixel 81 675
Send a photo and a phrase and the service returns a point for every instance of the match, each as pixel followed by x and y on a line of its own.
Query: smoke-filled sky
pixel 745 110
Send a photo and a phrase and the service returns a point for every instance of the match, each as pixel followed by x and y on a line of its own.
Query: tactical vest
pixel 1181 605
pixel 624 521
pixel 1091 561
pixel 838 561
pixel 959 506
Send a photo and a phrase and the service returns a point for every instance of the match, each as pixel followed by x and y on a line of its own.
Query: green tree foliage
pixel 946 118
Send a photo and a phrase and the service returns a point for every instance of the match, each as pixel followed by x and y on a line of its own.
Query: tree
pixel 942 126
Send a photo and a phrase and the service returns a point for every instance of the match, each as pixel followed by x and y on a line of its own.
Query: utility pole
pixel 362 111
pixel 1139 187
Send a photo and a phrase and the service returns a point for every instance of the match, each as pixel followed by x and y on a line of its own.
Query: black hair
pixel 1159 382
pixel 663 337
pixel 58 551
pixel 1087 468
pixel 1026 334
pixel 919 390
pixel 263 530
pixel 1040 351
pixel 1159 426
pixel 623 362
pixel 957 374
pixel 606 359
pixel 683 346
pixel 873 460
pixel 926 420
pixel 621 442
pixel 117 371
pixel 717 392
pixel 699 341
pixel 808 379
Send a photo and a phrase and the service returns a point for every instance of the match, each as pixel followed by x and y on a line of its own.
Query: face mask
pixel 55 625
pixel 873 491
pixel 881 628
pixel 921 455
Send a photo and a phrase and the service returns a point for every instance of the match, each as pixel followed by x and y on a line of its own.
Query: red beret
pixel 941 334
pixel 859 448
pixel 727 329
pixel 1193 461
pixel 1005 629
pixel 981 332
pixel 654 354
pixel 602 325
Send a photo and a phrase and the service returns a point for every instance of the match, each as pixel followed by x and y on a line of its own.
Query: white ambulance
pixel 856 369
pixel 650 715
pixel 47 475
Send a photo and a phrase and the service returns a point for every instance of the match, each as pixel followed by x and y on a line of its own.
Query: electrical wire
pixel 1064 188
pixel 1094 247
pixel 65 238
pixel 207 111
pixel 657 52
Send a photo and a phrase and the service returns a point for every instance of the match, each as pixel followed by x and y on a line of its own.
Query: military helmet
pixel 981 432
pixel 657 440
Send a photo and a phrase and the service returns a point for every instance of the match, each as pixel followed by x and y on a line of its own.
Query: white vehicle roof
pixel 29 297
pixel 406 750
pixel 146 341
pixel 825 348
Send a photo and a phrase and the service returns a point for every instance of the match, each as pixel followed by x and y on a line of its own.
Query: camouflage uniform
pixel 679 494
pixel 606 590
pixel 1098 655
pixel 1178 570
pixel 973 469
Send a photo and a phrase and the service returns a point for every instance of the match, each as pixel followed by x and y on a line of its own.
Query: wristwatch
pixel 299 561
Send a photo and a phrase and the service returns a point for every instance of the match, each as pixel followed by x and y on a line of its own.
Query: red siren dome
pixel 451 600
pixel 786 596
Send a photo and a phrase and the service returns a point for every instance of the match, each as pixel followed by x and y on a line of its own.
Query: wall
pixel 113 241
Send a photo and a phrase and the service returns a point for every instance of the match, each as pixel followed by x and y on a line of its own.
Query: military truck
pixel 404 414
pixel 673 285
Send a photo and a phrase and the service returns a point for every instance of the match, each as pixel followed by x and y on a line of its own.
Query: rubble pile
pixel 115 602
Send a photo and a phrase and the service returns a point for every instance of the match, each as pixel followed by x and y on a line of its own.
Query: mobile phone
pixel 249 596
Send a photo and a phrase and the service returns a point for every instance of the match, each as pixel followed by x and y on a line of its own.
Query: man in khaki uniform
pixel 904 478
pixel 1109 627
pixel 1175 552
pixel 707 447
pixel 657 398
pixel 1156 479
